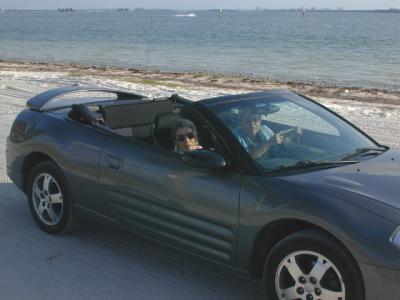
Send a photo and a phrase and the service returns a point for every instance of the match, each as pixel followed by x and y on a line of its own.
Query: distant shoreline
pixel 308 10
pixel 173 80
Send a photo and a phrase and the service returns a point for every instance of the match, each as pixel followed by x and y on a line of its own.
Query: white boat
pixel 187 15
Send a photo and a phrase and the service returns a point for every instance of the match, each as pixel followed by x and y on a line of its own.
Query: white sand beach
pixel 105 262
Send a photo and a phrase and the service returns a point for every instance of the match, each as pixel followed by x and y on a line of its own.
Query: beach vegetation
pixel 152 82
pixel 131 79
pixel 77 73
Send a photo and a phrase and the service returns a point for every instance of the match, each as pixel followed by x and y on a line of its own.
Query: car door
pixel 152 191
pixel 79 147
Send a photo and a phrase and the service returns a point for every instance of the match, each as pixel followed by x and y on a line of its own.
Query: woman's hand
pixel 195 147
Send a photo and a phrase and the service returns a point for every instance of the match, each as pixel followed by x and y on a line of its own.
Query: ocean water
pixel 344 48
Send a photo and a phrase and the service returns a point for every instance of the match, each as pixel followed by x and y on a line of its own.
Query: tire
pixel 310 265
pixel 50 199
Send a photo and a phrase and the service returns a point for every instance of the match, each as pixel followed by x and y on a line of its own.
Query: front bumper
pixel 380 283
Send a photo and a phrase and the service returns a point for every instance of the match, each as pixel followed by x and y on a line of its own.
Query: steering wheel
pixel 294 134
pixel 291 141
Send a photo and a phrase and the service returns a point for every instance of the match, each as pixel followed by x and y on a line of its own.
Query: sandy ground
pixel 104 262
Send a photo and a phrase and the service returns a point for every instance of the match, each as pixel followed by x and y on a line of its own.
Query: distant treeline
pixel 391 10
pixel 65 9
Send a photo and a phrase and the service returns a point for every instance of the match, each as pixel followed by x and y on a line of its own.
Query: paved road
pixel 101 261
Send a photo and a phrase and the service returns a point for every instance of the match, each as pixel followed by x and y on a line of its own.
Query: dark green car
pixel 311 205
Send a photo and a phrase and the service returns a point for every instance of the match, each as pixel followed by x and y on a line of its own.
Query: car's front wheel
pixel 312 266
pixel 50 199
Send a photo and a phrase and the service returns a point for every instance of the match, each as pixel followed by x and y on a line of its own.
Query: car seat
pixel 163 124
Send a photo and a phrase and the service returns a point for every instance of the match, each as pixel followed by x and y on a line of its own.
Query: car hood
pixel 376 179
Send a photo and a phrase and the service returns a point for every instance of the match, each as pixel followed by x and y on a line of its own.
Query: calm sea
pixel 344 48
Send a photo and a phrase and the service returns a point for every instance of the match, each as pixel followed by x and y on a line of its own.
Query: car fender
pixel 263 204
pixel 75 148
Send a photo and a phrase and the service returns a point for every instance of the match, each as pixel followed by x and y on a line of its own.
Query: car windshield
pixel 287 131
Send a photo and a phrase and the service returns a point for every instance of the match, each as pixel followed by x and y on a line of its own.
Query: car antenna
pixel 148 53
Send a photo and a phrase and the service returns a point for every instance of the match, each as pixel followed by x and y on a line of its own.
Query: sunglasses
pixel 182 137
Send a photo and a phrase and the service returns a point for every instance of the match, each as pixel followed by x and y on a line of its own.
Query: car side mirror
pixel 204 159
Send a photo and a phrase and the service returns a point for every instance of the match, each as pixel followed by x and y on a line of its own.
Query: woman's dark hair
pixel 182 123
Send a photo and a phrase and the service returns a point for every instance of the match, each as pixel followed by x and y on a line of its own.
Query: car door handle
pixel 114 162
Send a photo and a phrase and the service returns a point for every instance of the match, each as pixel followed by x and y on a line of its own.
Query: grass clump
pixel 151 82
pixel 77 73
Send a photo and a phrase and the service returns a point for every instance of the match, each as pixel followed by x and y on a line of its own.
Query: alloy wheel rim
pixel 308 275
pixel 47 199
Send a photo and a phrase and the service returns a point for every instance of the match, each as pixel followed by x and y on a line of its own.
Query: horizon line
pixel 208 9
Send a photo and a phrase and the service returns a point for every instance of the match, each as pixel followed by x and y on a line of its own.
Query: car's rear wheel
pixel 312 266
pixel 50 199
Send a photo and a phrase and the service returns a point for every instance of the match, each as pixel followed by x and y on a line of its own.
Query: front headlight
pixel 395 238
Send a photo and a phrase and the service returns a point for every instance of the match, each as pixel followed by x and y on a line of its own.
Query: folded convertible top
pixel 41 101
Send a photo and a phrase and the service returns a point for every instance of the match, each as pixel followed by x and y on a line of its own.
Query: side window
pixel 207 139
pixel 230 117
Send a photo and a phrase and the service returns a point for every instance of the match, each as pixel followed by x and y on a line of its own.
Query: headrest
pixel 163 124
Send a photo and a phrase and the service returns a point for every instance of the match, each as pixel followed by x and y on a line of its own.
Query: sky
pixel 199 4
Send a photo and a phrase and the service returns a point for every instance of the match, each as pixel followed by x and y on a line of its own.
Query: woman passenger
pixel 185 136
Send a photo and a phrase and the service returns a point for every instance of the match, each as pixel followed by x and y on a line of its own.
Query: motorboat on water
pixel 186 14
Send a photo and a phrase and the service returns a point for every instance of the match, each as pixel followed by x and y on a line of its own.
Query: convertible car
pixel 315 214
